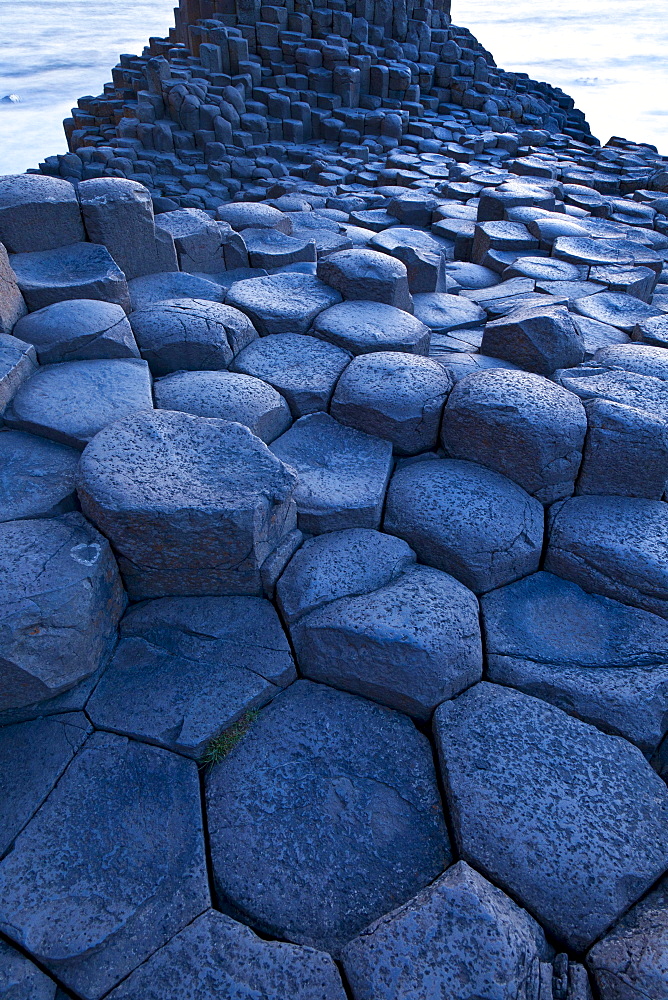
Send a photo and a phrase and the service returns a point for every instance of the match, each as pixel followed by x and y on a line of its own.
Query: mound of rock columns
pixel 333 528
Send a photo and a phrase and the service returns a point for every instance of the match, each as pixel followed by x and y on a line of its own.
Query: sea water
pixel 611 55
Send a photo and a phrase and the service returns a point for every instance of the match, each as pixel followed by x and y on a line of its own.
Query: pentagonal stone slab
pixel 282 303
pixel 615 546
pixel 304 370
pixel 18 361
pixel 459 937
pixel 60 601
pixel 592 252
pixel 188 668
pixel 38 213
pixel 364 327
pixel 340 564
pixel 153 288
pixel 537 339
pixel 616 309
pixel 20 979
pixel 544 269
pixel 190 335
pixel 192 505
pixel 367 275
pixel 36 476
pixel 410 644
pixel 79 271
pixel 271 248
pixel 227 396
pixel 33 755
pixel 466 520
pixel 399 397
pixel 519 424
pixel 631 960
pixel 71 402
pixel 568 820
pixel 601 660
pixel 324 817
pixel 442 312
pixel 216 956
pixel 342 473
pixel 89 920
pixel 630 388
pixel 78 330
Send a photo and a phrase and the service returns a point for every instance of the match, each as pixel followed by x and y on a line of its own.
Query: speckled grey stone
pixel 571 822
pixel 21 980
pixel 193 505
pixel 38 213
pixel 89 919
pixel 591 656
pixel 640 358
pixel 79 271
pixel 18 361
pixel 626 451
pixel 33 755
pixel 187 668
pixel 442 312
pixel 410 644
pixel 12 305
pixel 538 340
pixel 612 545
pixel 215 956
pixel 60 601
pixel 399 397
pixel 367 275
pixel 228 396
pixel 282 303
pixel 630 388
pixel 616 309
pixel 364 327
pixel 36 476
pixel 461 937
pixel 339 564
pixel 342 473
pixel 631 961
pixel 78 330
pixel 154 288
pixel 466 520
pixel 521 425
pixel 303 369
pixel 324 817
pixel 71 402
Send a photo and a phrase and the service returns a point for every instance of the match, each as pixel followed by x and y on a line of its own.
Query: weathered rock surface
pixel 324 817
pixel 12 305
pixel 153 288
pixel 538 340
pixel 217 956
pixel 342 473
pixel 459 937
pixel 79 271
pixel 615 546
pixel 365 327
pixel 466 520
pixel 78 330
pixel 192 505
pixel 598 659
pixel 568 820
pixel 282 303
pixel 36 476
pixel 367 275
pixel 187 669
pixel 147 816
pixel 521 425
pixel 38 213
pixel 18 361
pixel 20 979
pixel 60 601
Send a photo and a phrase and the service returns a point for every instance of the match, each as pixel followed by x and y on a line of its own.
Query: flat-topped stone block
pixel 365 327
pixel 78 330
pixel 77 271
pixel 282 303
pixel 367 275
pixel 38 213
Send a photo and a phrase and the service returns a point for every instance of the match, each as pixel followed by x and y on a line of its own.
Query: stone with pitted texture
pixel 36 476
pixel 38 213
pixel 368 327
pixel 367 275
pixel 21 980
pixel 78 330
pixel 77 271
pixel 282 303
pixel 12 304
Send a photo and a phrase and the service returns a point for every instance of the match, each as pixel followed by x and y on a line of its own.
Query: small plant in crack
pixel 220 746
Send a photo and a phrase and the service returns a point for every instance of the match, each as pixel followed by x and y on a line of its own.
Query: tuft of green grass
pixel 220 746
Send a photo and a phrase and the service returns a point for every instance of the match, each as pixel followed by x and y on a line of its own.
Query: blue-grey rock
pixel 339 564
pixel 324 817
pixel 367 275
pixel 399 397
pixel 442 313
pixel 571 822
pixel 460 937
pixel 626 451
pixel 71 402
pixel 92 902
pixel 60 602
pixel 544 269
pixel 36 476
pixel 192 505
pixel 267 247
pixel 342 473
pixel 18 361
pixel 190 335
pixel 631 961
pixel 616 309
pixel 468 275
pixel 597 335
pixel 78 330
pixel 254 215
pixel 652 331
pixel 629 388
pixel 303 369
pixel 33 755
pixel 20 979
pixel 72 700
pixel 153 288
pixel 612 545
pixel 537 339
pixel 466 520
pixel 640 358
pixel 38 213
pixel 187 669
pixel 216 956
pixel 593 657
pixel 12 304
pixel 521 425
pixel 366 327
pixel 79 271
pixel 282 303
pixel 409 645
pixel 202 245
pixel 228 396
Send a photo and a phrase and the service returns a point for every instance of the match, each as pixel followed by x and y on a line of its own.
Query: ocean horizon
pixel 610 58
